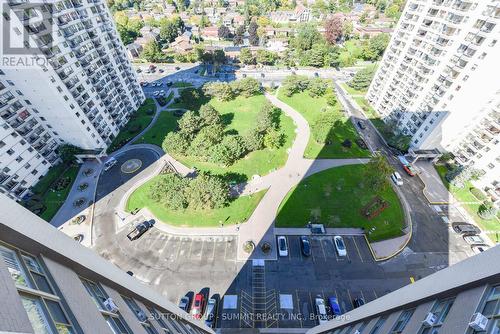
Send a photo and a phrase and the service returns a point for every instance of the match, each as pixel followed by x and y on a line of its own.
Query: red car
pixel 409 170
pixel 198 306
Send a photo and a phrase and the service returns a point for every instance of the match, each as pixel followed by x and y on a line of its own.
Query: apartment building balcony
pixel 462 5
pixel 461 158
pixel 7 114
pixel 10 185
pixel 4 177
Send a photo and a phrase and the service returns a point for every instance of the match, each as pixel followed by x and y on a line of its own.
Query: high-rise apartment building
pixel 81 90
pixel 437 80
pixel 461 299
pixel 51 284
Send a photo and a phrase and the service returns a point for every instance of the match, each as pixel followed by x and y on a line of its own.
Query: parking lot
pixel 282 293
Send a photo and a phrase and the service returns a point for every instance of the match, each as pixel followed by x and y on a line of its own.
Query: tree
pixel 168 31
pixel 238 36
pixel 377 172
pixel 67 152
pixel 221 90
pixel 207 192
pixel 204 22
pixel 266 118
pixel 274 139
pixel 246 87
pixel 322 127
pixel 224 32
pixel 294 84
pixel 317 87
pixel 362 78
pixel 393 11
pixel 307 35
pixel 334 29
pixel 331 99
pixel 246 56
pixel 205 139
pixel 266 57
pixel 189 124
pixel 169 190
pixel 400 141
pixel 253 37
pixel 209 115
pixel 253 140
pixel 175 142
pixel 152 52
pixel 375 47
pixel 219 56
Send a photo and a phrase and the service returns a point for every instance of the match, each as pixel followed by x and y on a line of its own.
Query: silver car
pixel 474 240
pixel 211 312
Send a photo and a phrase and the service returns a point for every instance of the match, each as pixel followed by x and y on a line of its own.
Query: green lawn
pixel 311 108
pixel 351 90
pixel 165 123
pixel 471 204
pixel 51 199
pixel 335 197
pixel 138 122
pixel 239 210
pixel 182 84
pixel 240 115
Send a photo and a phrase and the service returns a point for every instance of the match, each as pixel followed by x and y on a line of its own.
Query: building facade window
pixel 440 311
pixel 113 317
pixel 491 309
pixel 140 314
pixel 43 306
pixel 402 321
pixel 380 322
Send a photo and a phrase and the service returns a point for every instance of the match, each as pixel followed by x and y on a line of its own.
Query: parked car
pixel 340 245
pixel 465 228
pixel 177 68
pixel 321 310
pixel 409 170
pixel 211 312
pixel 361 143
pixel 334 306
pixel 140 229
pixel 474 240
pixel 305 246
pixel 161 70
pixel 198 306
pixel 479 248
pixel 184 303
pixel 397 179
pixel 169 83
pixel 109 164
pixel 282 246
pixel 138 70
pixel 357 302
pixel 361 125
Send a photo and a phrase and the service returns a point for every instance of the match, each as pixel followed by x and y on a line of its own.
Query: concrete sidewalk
pixel 435 191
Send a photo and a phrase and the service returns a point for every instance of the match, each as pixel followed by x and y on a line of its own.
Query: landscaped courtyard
pixel 237 211
pixel 335 198
pixel 313 109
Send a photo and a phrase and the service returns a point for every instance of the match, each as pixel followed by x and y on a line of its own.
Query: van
pixel 397 179
pixel 109 164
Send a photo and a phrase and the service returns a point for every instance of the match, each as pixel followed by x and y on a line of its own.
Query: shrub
pixel 220 90
pixel 487 210
pixel 175 142
pixel 331 99
pixel 347 143
pixel 266 118
pixel 294 84
pixel 207 192
pixel 274 139
pixel 209 115
pixel 362 79
pixel 246 87
pixel 478 194
pixel 170 191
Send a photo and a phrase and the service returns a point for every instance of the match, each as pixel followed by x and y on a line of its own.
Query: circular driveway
pixel 112 179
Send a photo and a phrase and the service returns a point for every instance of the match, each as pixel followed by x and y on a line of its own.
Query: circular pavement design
pixel 131 166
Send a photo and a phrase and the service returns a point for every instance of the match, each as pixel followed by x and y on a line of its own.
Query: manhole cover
pixel 131 166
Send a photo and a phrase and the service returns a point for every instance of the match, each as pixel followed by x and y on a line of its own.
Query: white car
pixel 397 179
pixel 474 240
pixel 340 245
pixel 156 93
pixel 282 246
pixel 110 163
pixel 477 249
pixel 321 310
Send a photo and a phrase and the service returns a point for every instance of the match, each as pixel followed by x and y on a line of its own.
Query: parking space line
pixel 201 250
pixel 362 295
pixel 298 308
pixel 178 250
pixel 357 249
pixel 289 248
pixel 213 254
pixel 190 248
pixel 375 294
pixel 350 298
pixel 322 249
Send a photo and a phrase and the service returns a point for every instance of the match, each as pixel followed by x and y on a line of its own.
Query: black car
pixel 361 143
pixel 357 302
pixel 305 246
pixel 465 228
pixel 361 125
pixel 169 83
pixel 161 70
pixel 177 68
